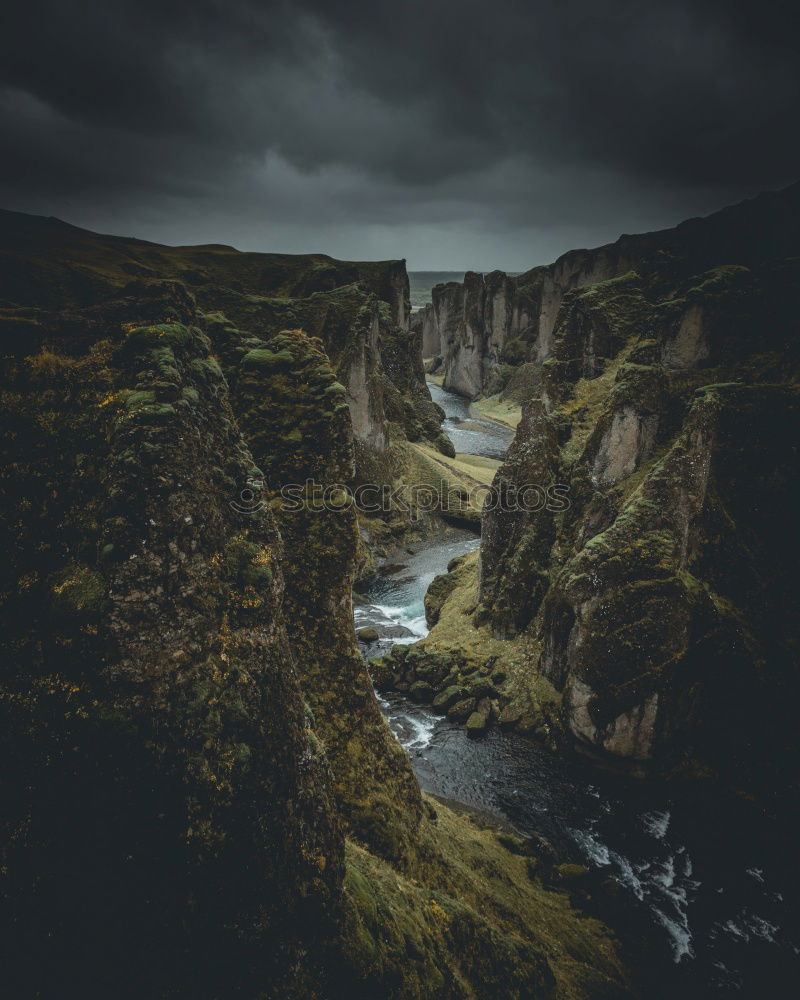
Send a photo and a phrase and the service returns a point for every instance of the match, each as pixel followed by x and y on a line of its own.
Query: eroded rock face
pixel 689 345
pixel 514 319
pixel 631 734
pixel 424 320
pixel 363 396
pixel 665 398
pixel 576 269
pixel 515 541
pixel 498 317
pixel 652 637
pixel 474 320
pixel 628 440
pixel 295 418
pixel 156 746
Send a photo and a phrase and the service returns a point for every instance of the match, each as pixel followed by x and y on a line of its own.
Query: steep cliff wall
pixel 633 594
pixel 295 417
pixel 653 601
pixel 424 324
pixel 355 308
pixel 164 796
pixel 499 320
pixel 469 324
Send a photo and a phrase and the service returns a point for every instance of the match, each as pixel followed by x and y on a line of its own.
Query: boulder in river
pixel 477 722
pixel 570 874
pixel 421 691
pixel 510 716
pixel 462 710
pixel 449 697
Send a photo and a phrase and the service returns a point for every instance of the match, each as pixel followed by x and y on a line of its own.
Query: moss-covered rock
pixel 663 397
pixel 154 737
pixel 368 635
pixel 445 700
pixel 435 596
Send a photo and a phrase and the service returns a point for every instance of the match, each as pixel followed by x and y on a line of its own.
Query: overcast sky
pixel 455 134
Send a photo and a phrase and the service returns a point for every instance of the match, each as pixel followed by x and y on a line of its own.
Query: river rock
pixel 477 722
pixel 421 691
pixel 510 716
pixel 571 875
pixel 462 710
pixel 368 634
pixel 431 667
pixel 449 697
pixel 381 673
pixel 481 687
pixel 485 706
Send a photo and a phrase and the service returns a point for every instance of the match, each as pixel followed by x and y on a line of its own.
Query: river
pixel 708 901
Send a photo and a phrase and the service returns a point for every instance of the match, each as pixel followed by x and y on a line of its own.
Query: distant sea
pixel 422 282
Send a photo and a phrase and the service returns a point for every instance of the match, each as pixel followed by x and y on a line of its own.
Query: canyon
pixel 196 767
pixel 201 795
pixel 656 379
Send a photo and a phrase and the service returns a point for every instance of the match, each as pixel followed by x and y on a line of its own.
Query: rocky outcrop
pixel 356 309
pixel 423 322
pixel 295 417
pixel 165 793
pixel 519 524
pixel 469 324
pixel 655 635
pixel 360 312
pixel 665 400
pixel 495 320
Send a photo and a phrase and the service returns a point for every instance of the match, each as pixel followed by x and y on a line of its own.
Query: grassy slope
pixel 48 262
pixel 504 411
pixel 466 889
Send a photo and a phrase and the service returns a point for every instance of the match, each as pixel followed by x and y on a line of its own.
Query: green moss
pixel 205 367
pixel 248 562
pixel 265 358
pixel 78 590
pixel 136 400
pixel 469 912
pixel 160 336
pixel 718 282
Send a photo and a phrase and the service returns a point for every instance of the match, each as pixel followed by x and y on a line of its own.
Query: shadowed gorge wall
pixel 296 418
pixel 163 792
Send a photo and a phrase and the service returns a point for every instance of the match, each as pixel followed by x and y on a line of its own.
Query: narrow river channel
pixel 707 906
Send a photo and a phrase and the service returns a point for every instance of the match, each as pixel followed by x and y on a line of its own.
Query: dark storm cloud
pixel 501 133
